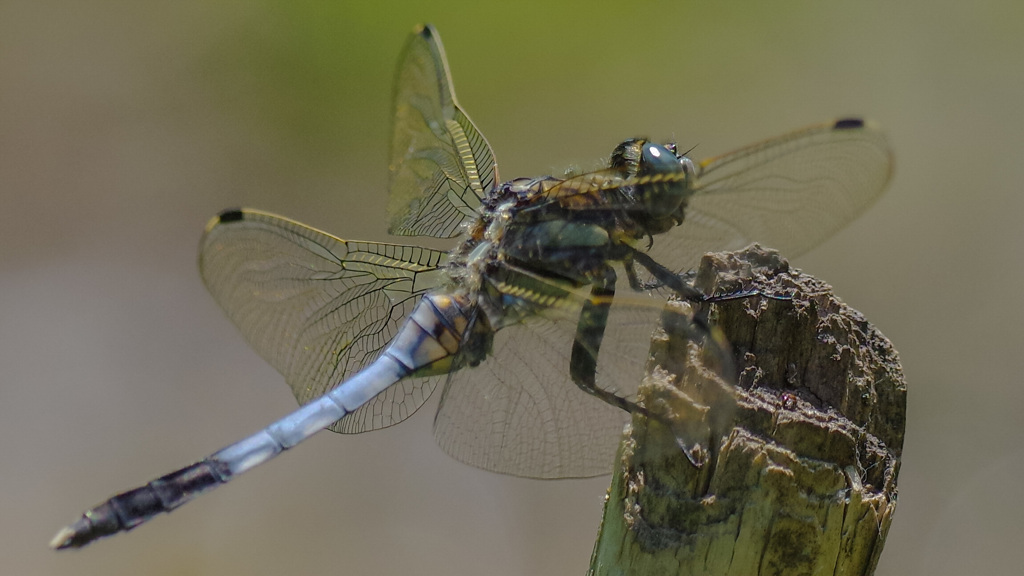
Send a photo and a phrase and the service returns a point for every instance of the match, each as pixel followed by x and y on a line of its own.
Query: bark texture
pixel 793 470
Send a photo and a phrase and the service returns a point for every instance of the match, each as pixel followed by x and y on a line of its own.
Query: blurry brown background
pixel 125 125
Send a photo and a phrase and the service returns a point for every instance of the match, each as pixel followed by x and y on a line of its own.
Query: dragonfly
pixel 536 324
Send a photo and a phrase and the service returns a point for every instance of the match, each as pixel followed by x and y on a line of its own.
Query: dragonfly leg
pixel 587 344
pixel 668 277
pixel 590 332
pixel 634 282
pixel 741 294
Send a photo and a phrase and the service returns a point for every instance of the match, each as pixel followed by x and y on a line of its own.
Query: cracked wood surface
pixel 795 467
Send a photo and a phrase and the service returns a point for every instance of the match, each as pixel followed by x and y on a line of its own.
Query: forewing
pixel 441 166
pixel 316 307
pixel 520 413
pixel 789 193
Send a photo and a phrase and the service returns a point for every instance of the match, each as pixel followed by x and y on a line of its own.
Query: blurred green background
pixel 125 125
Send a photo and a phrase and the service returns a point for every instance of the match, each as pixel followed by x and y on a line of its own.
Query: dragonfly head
pixel 659 180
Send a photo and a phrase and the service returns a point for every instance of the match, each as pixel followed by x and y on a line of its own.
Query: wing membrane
pixel 316 307
pixel 441 166
pixel 790 192
pixel 520 413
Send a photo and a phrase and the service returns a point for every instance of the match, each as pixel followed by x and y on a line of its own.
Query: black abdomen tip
pixel 231 215
pixel 849 124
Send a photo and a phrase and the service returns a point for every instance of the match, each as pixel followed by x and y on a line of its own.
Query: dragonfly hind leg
pixel 692 326
pixel 587 344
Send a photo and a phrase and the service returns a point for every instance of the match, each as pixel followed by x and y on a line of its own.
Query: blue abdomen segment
pixel 425 345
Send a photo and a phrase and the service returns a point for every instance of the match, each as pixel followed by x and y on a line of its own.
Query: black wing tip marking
pixel 230 215
pixel 426 31
pixel 848 124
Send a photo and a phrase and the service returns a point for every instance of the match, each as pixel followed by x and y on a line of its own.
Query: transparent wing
pixel 318 308
pixel 790 192
pixel 441 166
pixel 520 413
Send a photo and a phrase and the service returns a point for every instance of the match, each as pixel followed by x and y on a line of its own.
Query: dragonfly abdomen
pixel 129 509
pixel 428 342
pixel 136 506
pixel 425 345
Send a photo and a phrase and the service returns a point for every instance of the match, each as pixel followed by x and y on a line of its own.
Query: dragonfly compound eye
pixel 662 186
pixel 657 159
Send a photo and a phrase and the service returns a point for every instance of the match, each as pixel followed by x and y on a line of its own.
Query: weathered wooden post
pixel 795 467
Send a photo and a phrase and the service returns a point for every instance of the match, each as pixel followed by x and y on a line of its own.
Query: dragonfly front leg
pixel 665 276
pixel 587 343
